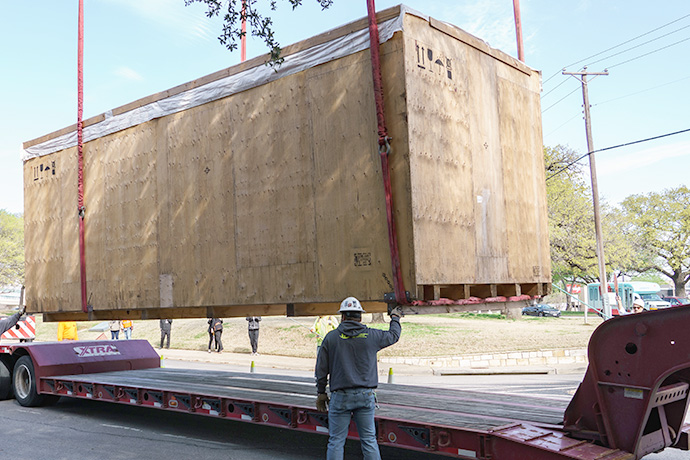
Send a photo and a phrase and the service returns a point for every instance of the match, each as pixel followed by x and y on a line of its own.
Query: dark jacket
pixel 166 324
pixel 348 355
pixel 215 325
pixel 253 322
pixel 7 323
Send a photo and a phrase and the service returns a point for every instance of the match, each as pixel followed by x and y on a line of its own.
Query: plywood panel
pixel 274 195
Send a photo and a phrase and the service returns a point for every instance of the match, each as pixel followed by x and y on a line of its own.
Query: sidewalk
pixel 400 366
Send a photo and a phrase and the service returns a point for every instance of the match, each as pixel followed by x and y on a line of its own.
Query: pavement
pixel 307 364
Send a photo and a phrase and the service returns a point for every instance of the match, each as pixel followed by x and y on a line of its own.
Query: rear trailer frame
pixel 459 424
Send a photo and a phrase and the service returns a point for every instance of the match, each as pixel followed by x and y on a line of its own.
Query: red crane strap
pixel 384 151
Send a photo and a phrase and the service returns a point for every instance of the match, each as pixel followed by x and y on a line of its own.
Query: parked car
pixel 675 301
pixel 541 310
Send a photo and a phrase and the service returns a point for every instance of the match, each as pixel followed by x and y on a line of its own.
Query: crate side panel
pixel 51 231
pixel 524 177
pixel 350 208
pixel 129 238
pixel 464 206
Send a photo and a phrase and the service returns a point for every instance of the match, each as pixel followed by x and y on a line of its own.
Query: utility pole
pixel 518 30
pixel 603 281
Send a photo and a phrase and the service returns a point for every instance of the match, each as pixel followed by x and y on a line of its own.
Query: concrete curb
pixel 530 362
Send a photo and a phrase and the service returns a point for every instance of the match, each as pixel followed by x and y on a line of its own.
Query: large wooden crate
pixel 270 199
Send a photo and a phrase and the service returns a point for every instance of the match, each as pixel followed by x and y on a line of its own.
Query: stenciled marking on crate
pixel 362 258
pixel 43 170
pixel 433 60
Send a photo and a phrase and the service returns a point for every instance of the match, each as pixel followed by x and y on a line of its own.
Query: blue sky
pixel 135 48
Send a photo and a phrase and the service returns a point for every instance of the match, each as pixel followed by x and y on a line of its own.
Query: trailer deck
pixel 633 400
pixel 445 421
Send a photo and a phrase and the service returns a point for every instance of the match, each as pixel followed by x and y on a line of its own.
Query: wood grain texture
pixel 273 196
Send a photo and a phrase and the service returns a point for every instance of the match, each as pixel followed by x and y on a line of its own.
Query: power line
pixel 617 46
pixel 562 125
pixel 647 54
pixel 616 147
pixel 615 99
pixel 641 44
pixel 543 111
pixel 640 92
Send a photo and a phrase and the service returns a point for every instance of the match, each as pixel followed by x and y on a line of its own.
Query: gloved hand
pixel 23 310
pixel 397 311
pixel 322 402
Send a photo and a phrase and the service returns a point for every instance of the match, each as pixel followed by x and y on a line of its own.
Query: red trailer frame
pixel 632 401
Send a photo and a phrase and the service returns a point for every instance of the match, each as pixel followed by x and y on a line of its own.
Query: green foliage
pixel 658 224
pixel 11 248
pixel 260 25
pixel 571 229
pixel 571 223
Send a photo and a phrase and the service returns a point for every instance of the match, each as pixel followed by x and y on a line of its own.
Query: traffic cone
pixel 162 361
pixel 390 375
pixel 251 368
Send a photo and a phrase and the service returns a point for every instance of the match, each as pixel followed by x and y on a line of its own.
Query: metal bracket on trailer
pixel 635 393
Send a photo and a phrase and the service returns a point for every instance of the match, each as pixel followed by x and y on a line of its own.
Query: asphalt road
pixel 81 429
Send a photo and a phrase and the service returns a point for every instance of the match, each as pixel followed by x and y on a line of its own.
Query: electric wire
pixel 639 92
pixel 543 111
pixel 617 46
pixel 616 147
pixel 647 54
pixel 615 99
pixel 641 44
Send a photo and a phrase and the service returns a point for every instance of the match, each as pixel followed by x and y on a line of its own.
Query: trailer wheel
pixel 24 379
pixel 5 377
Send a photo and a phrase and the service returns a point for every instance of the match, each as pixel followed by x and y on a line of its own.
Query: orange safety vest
pixel 126 323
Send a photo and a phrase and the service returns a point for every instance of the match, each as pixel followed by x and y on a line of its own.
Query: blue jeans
pixel 128 333
pixel 357 403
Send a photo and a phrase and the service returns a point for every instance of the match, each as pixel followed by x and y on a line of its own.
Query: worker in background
pixel 638 306
pixel 166 327
pixel 115 326
pixel 348 356
pixel 127 328
pixel 67 330
pixel 253 328
pixel 7 323
pixel 322 326
pixel 215 331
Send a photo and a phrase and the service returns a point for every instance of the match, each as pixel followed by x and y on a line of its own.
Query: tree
pixel 570 215
pixel 659 227
pixel 11 248
pixel 571 223
pixel 261 26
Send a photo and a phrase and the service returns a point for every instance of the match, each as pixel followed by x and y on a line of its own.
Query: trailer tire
pixel 5 377
pixel 24 379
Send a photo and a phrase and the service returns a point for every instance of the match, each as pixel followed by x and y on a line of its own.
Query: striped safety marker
pixel 25 329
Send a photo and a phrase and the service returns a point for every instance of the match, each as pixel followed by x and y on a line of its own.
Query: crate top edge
pixel 305 54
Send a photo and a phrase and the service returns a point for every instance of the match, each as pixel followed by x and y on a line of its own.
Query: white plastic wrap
pixel 256 76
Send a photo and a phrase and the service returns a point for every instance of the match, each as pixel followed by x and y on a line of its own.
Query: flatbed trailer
pixel 618 413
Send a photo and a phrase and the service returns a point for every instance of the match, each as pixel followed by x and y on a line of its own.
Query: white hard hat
pixel 638 303
pixel 350 304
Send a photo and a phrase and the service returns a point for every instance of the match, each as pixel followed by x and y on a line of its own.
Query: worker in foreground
pixel 7 323
pixel 348 356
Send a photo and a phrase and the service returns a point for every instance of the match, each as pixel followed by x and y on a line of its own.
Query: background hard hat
pixel 638 303
pixel 350 304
